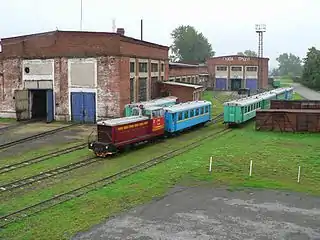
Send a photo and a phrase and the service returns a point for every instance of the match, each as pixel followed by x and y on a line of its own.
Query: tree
pixel 289 64
pixel 249 53
pixel 311 69
pixel 189 45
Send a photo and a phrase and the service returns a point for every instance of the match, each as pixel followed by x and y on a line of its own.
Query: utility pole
pixel 80 15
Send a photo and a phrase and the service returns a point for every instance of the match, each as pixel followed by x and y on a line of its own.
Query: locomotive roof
pixel 121 121
pixel 186 106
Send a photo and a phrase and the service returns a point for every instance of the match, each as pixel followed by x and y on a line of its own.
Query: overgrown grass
pixel 8 120
pixel 286 82
pixel 276 157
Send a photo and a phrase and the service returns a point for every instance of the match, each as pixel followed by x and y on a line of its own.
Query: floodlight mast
pixel 260 29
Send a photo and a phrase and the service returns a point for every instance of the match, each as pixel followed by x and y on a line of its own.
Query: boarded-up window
pixel 131 90
pixel 142 89
pixel 154 90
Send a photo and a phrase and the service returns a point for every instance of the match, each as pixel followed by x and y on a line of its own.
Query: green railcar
pixel 129 109
pixel 276 83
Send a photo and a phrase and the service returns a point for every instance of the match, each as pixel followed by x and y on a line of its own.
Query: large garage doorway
pixel 235 84
pixel 34 104
pixel 39 104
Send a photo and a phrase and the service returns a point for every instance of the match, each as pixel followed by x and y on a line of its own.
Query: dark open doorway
pixel 39 104
pixel 235 84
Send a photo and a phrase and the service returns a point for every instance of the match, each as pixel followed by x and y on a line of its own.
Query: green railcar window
pixel 186 114
pixel 180 116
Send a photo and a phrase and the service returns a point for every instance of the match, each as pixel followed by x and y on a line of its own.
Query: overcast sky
pixel 292 26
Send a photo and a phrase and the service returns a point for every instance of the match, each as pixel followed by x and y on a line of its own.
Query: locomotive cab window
pixel 146 113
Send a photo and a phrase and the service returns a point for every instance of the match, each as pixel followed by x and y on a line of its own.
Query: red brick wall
pixel 183 71
pixel 109 83
pixel 183 93
pixel 137 50
pixel 124 83
pixel 11 80
pixel 242 61
pixel 61 89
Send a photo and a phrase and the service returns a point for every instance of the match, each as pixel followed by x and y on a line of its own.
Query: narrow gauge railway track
pixel 22 140
pixel 64 197
pixel 53 172
pixel 18 124
pixel 9 168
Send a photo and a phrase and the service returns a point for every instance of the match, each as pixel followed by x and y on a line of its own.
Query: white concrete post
pixel 250 171
pixel 210 166
pixel 299 169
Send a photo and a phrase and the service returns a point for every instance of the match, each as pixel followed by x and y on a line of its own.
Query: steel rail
pixel 22 140
pixel 28 162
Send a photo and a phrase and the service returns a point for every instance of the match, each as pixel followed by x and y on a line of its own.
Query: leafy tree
pixel 311 70
pixel 289 64
pixel 189 45
pixel 249 53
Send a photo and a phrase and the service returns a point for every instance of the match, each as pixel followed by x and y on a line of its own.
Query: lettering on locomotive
pixel 132 126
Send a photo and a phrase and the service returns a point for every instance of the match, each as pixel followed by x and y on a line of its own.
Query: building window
pixel 142 89
pixel 178 79
pixel 183 79
pixel 143 67
pixel 222 68
pixel 154 67
pixel 154 89
pixel 162 78
pixel 132 67
pixel 162 67
pixel 236 69
pixel 252 69
pixel 131 90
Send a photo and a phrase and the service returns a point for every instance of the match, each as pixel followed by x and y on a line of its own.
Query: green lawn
pixel 8 120
pixel 275 156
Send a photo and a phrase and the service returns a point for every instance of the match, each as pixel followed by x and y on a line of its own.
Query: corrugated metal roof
pixel 183 85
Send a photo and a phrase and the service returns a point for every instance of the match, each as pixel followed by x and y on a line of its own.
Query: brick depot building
pixel 234 72
pixel 188 73
pixel 78 76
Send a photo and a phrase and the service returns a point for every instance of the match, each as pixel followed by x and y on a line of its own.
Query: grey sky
pixel 292 26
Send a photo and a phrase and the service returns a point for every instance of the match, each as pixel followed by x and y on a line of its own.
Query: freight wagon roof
pixel 290 110
pixel 186 106
pixel 121 121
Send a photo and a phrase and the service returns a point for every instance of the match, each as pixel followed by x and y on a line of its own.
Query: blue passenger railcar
pixel 186 115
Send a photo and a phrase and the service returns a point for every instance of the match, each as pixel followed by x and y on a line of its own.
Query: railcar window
pixel 186 114
pixel 191 113
pixel 180 116
pixel 197 111
pixel 207 109
pixel 201 110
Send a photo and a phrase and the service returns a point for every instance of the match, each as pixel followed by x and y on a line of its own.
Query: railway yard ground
pixel 177 199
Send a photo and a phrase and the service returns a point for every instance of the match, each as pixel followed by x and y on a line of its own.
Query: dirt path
pixel 202 213
pixel 306 92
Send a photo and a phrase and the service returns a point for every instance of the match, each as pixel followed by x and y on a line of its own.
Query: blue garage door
pixel 50 112
pixel 221 83
pixel 83 107
pixel 252 84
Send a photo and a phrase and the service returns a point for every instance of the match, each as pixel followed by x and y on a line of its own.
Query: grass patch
pixel 217 106
pixel 8 120
pixel 78 177
pixel 275 156
pixel 35 153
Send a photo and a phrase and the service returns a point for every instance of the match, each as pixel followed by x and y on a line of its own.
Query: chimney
pixel 120 31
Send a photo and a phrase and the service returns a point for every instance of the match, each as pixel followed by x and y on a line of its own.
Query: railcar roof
pixel 121 121
pixel 250 100
pixel 186 106
pixel 154 101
